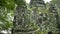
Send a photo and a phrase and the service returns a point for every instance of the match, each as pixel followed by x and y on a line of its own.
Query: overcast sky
pixel 44 0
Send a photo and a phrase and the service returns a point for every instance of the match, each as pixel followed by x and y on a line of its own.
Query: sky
pixel 44 0
pixel 47 1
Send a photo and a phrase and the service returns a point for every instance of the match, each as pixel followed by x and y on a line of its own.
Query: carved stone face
pixel 52 9
pixel 37 3
pixel 21 11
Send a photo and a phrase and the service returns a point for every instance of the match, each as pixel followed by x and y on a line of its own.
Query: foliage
pixel 9 4
pixel 7 8
pixel 6 18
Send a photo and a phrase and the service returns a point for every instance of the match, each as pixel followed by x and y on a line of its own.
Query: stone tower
pixel 39 16
pixel 37 5
pixel 54 17
pixel 23 23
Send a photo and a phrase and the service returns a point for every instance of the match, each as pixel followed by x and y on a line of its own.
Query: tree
pixel 5 19
pixel 6 12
